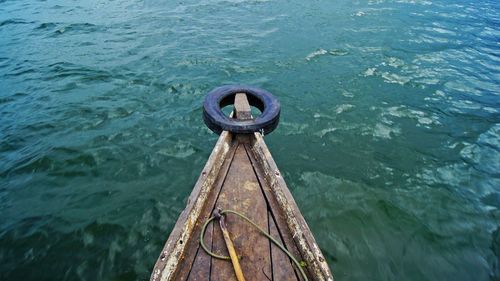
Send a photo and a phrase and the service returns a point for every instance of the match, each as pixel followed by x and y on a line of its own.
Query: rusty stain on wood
pixel 241 175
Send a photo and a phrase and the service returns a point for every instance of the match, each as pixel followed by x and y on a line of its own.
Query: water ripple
pixel 391 110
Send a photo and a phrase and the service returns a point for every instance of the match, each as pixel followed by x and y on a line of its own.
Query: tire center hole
pixel 229 108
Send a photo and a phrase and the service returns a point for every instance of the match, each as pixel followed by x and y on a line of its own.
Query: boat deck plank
pixel 194 253
pixel 242 193
pixel 282 266
pixel 202 262
pixel 282 230
pixel 249 182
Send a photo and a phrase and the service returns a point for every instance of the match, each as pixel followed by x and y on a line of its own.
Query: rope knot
pixel 217 214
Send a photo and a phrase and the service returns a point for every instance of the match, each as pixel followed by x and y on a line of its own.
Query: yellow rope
pixel 204 228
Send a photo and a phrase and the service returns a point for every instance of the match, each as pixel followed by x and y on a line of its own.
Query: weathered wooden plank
pixel 275 210
pixel 191 265
pixel 186 264
pixel 241 192
pixel 240 175
pixel 282 266
pixel 309 249
pixel 242 107
pixel 200 271
pixel 174 248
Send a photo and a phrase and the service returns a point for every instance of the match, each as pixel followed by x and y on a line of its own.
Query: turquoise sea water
pixel 389 138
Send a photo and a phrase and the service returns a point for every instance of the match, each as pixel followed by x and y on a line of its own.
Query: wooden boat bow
pixel 241 175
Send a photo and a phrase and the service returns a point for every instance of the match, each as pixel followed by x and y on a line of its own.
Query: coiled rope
pixel 223 212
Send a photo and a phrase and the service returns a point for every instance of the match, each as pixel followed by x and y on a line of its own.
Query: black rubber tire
pixel 219 97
